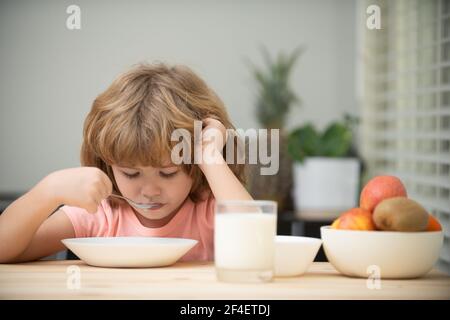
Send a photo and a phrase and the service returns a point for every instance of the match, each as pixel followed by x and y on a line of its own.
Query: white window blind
pixel 406 103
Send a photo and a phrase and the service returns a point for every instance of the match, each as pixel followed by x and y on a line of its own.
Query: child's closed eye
pixel 161 173
pixel 130 176
pixel 168 174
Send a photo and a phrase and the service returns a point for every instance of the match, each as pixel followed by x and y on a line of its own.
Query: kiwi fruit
pixel 400 214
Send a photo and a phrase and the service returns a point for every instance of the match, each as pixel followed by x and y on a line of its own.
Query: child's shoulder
pixel 206 197
pixel 206 194
pixel 205 209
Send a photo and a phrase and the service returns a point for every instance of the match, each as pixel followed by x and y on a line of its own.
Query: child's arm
pixel 224 184
pixel 26 230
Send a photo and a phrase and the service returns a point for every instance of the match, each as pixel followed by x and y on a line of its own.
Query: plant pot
pixel 326 184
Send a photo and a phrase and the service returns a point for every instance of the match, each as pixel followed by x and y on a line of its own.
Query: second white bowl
pixel 294 255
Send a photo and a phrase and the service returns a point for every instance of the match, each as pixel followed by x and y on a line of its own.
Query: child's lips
pixel 155 206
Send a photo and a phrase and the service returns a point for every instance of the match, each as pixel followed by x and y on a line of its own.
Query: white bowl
pixel 294 255
pixel 129 252
pixel 382 254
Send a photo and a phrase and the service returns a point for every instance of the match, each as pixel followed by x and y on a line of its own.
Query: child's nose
pixel 151 191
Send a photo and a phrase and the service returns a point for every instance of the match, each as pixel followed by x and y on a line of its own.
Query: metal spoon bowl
pixel 136 205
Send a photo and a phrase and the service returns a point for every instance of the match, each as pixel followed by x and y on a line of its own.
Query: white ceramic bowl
pixel 129 252
pixel 384 254
pixel 294 255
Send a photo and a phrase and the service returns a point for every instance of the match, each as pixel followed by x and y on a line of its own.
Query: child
pixel 126 150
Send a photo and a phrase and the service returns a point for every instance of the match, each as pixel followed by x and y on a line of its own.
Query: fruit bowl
pixel 395 255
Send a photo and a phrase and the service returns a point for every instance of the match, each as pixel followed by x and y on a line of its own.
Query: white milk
pixel 244 241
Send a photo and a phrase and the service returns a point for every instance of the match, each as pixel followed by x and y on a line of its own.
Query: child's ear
pixel 204 122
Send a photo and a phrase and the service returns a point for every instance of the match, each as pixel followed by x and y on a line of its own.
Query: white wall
pixel 50 75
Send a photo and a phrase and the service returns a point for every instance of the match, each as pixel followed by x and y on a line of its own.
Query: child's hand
pixel 214 135
pixel 83 187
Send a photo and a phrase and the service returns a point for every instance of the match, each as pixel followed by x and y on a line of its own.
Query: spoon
pixel 137 205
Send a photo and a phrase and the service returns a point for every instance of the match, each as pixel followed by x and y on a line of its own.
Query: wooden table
pixel 55 280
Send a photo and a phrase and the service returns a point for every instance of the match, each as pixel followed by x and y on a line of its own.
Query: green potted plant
pixel 274 100
pixel 326 170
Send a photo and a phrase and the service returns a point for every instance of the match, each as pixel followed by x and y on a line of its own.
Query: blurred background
pixel 361 86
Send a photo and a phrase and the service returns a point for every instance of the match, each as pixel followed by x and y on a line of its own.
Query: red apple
pixel 379 189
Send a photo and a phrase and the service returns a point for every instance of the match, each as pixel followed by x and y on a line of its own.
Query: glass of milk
pixel 244 234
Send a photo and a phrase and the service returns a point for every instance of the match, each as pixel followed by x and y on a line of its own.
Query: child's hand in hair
pixel 83 187
pixel 214 137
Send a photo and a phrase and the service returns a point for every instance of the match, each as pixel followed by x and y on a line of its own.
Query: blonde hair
pixel 132 121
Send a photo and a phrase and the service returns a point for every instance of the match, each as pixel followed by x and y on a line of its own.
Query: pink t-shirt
pixel 192 221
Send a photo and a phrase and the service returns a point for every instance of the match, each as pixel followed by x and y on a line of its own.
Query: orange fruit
pixel 354 219
pixel 335 224
pixel 433 224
